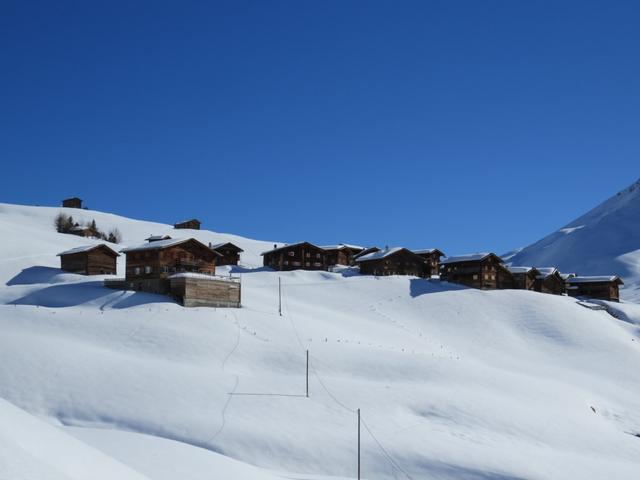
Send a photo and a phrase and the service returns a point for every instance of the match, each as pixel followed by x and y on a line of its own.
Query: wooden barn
pixel 432 258
pixel 603 288
pixel 341 254
pixel 90 260
pixel 193 224
pixel 549 280
pixel 197 290
pixel 392 261
pixel 229 251
pixel 149 265
pixel 478 270
pixel 524 278
pixel 297 256
pixel 73 202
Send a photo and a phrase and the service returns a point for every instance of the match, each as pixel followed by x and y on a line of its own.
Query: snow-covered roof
pixel 218 245
pixel 521 269
pixel 290 245
pixel 566 276
pixel 378 255
pixel 86 248
pixel 546 271
pixel 204 276
pixel 341 246
pixel 426 251
pixel 472 257
pixel 595 279
pixel 160 244
pixel 155 238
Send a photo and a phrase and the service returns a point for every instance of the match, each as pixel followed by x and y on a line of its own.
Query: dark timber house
pixel 392 261
pixel 193 224
pixel 432 259
pixel 297 256
pixel 549 280
pixel 182 268
pixel 230 253
pixel 73 202
pixel 341 254
pixel 524 278
pixel 603 288
pixel 90 260
pixel 478 270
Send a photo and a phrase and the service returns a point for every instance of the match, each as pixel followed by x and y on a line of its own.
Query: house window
pixel 286 262
pixel 292 253
pixel 147 269
pixel 475 277
pixel 136 271
pixel 317 255
pixel 308 255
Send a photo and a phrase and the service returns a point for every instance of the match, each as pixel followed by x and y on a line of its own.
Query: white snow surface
pixel 604 241
pixel 453 383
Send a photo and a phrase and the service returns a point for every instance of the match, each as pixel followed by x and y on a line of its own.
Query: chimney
pixel 275 245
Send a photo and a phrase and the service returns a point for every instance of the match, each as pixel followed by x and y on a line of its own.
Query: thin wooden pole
pixel 279 297
pixel 358 444
pixel 307 373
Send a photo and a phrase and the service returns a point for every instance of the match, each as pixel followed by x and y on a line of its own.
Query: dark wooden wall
pixel 296 257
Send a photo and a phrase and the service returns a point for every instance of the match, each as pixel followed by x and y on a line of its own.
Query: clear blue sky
pixel 466 126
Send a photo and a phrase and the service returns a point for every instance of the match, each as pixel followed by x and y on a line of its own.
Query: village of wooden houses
pixel 185 269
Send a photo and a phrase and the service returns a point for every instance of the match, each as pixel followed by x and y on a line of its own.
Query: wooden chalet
pixel 341 254
pixel 549 280
pixel 393 261
pixel 603 288
pixel 478 270
pixel 193 224
pixel 90 260
pixel 73 202
pixel 229 251
pixel 432 258
pixel 151 264
pixel 524 278
pixel 197 290
pixel 297 256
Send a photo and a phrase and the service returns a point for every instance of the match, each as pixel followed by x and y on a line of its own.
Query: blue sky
pixel 465 126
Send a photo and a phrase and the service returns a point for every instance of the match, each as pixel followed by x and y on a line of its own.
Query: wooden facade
pixel 603 288
pixel 393 261
pixel 150 265
pixel 432 258
pixel 297 256
pixel 193 224
pixel 73 202
pixel 482 270
pixel 341 254
pixel 230 253
pixel 549 280
pixel 524 278
pixel 90 260
pixel 204 291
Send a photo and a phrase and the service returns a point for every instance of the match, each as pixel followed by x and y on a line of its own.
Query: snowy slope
pixel 604 241
pixel 453 383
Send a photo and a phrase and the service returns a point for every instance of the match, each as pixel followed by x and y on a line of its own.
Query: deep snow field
pixel 452 383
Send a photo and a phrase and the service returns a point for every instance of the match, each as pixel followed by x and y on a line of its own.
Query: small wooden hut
pixel 478 270
pixel 341 254
pixel 193 224
pixel 432 259
pixel 73 202
pixel 600 287
pixel 90 260
pixel 393 261
pixel 229 251
pixel 296 256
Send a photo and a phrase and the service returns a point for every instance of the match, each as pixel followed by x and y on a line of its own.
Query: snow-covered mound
pixel 604 241
pixel 453 383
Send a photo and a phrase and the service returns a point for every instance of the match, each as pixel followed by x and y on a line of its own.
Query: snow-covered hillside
pixel 604 241
pixel 453 383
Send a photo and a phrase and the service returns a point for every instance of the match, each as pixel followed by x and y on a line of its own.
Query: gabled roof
pixel 291 245
pixel 428 251
pixel 566 276
pixel 471 257
pixel 366 251
pixel 596 279
pixel 341 246
pixel 162 244
pixel 523 269
pixel 225 244
pixel 88 248
pixel 387 252
pixel 544 272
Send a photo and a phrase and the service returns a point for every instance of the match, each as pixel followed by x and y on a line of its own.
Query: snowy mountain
pixel 604 241
pixel 452 383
